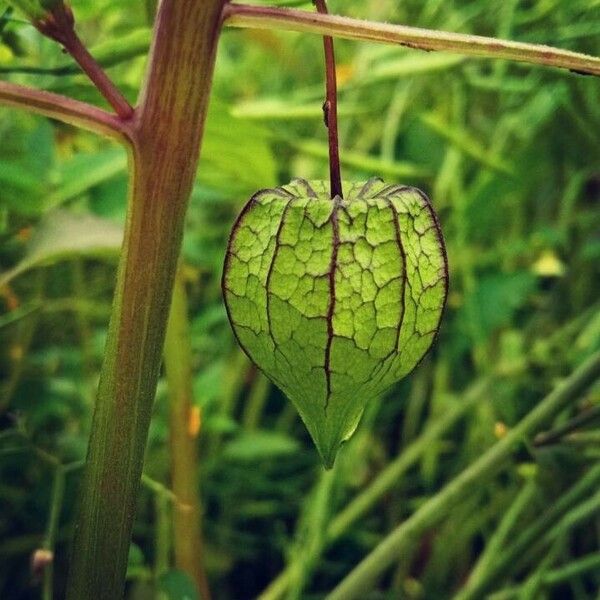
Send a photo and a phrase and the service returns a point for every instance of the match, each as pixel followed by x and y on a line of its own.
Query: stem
pixel 530 538
pixel 330 110
pixel 164 153
pixel 99 78
pixel 394 546
pixel 58 23
pixel 262 17
pixel 58 490
pixel 184 443
pixel 550 437
pixel 589 563
pixel 525 499
pixel 64 109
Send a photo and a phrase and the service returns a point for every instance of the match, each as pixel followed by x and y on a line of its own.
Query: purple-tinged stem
pixel 168 129
pixel 99 78
pixel 64 109
pixel 331 110
pixel 59 24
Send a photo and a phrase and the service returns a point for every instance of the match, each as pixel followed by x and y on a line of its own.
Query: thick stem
pixel 330 109
pixel 264 17
pixel 187 512
pixel 168 132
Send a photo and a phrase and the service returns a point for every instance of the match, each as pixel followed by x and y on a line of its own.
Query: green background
pixel 510 156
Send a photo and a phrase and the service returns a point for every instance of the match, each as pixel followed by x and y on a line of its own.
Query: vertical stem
pixel 58 490
pixel 331 111
pixel 184 443
pixel 162 535
pixel 163 156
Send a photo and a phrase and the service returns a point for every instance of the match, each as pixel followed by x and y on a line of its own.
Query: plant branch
pixel 66 110
pixel 99 78
pixel 330 110
pixel 58 23
pixel 259 17
pixel 394 546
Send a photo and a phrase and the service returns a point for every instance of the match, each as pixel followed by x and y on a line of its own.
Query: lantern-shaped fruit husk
pixel 335 299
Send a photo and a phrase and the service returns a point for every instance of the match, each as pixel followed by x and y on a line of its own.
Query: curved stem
pixel 262 17
pixel 66 110
pixel 330 109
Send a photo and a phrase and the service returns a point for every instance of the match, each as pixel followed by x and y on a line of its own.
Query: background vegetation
pixel 510 156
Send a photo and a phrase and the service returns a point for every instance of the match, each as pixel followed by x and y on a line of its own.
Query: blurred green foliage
pixel 510 156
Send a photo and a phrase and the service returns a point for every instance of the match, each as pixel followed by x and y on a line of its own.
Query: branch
pixel 98 77
pixel 58 23
pixel 63 109
pixel 259 17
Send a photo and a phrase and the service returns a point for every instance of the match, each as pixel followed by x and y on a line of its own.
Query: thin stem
pixel 587 564
pixel 185 467
pixel 99 78
pixel 58 24
pixel 494 546
pixel 551 437
pixel 330 109
pixel 262 17
pixel 395 545
pixel 58 489
pixel 64 109
pixel 529 539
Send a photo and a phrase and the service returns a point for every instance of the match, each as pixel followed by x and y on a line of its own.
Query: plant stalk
pixel 330 110
pixel 65 110
pixel 163 158
pixel 187 511
pixel 92 69
pixel 266 17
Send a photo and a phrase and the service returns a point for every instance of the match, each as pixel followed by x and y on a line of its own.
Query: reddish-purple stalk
pixel 59 25
pixel 67 110
pixel 86 61
pixel 330 109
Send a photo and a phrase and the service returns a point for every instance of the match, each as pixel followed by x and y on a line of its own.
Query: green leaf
pixel 335 300
pixel 494 302
pixel 64 235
